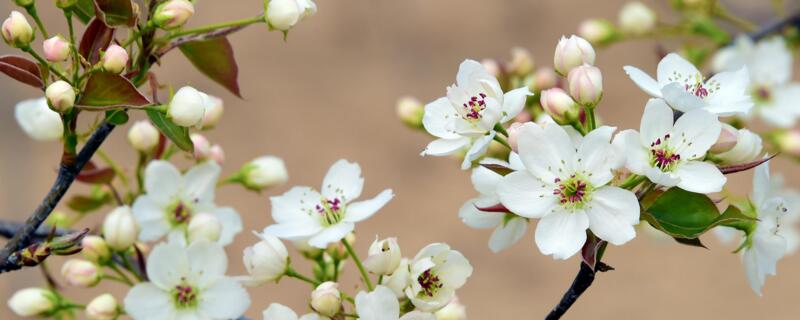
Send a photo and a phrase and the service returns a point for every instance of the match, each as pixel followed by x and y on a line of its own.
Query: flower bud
pixel 307 250
pixel 23 3
pixel 202 148
pixel 586 84
pixel 572 52
pixel 66 4
pixel 748 148
pixel 284 14
pixel 115 59
pixel 213 111
pixel 103 307
pixel 452 311
pixel 120 229
pixel 56 49
pixel 17 32
pixel 383 256
pixel 143 136
pixel 60 95
pixel 204 226
pixel 81 273
pixel 217 154
pixel 173 14
pixel 636 18
pixel 521 61
pixel 264 172
pixel 544 78
pixel 559 105
pixel 337 250
pixel 326 299
pixel 727 139
pixel 95 249
pixel 410 111
pixel 597 30
pixel 789 142
pixel 492 67
pixel 187 107
pixel 31 302
pixel 513 135
pixel 267 260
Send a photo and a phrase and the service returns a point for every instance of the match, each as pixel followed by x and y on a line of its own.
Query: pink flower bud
pixel 56 49
pixel 103 307
pixel 217 154
pixel 727 139
pixel 492 67
pixel 115 59
pixel 596 30
pixel 586 84
pixel 521 61
pixel 544 78
pixel 213 111
pixel 95 249
pixel 81 273
pixel 513 135
pixel 559 105
pixel 17 32
pixel 60 95
pixel 173 13
pixel 572 52
pixel 202 148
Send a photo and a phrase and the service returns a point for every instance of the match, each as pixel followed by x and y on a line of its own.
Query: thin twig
pixel 8 229
pixel 792 20
pixel 198 37
pixel 582 282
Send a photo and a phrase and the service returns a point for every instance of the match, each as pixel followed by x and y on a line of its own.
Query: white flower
pixel 774 235
pixel 120 229
pixel 635 17
pixel 264 172
pixel 277 311
pixel 326 299
pixel 509 228
pixel 684 88
pixel 672 155
pixel 265 261
pixel 384 256
pixel 748 148
pixel 565 185
pixel 436 273
pixel 381 304
pixel 329 216
pixel 31 302
pixel 466 118
pixel 400 278
pixel 285 14
pixel 173 199
pixel 187 107
pixel 453 311
pixel 38 120
pixel 187 283
pixel 770 64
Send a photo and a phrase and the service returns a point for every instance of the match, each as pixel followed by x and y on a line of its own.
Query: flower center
pixel 185 296
pixel 663 157
pixel 180 213
pixel 331 211
pixel 693 84
pixel 762 94
pixel 474 106
pixel 429 282
pixel 573 192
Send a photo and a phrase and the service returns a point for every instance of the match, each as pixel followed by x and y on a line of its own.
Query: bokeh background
pixel 329 93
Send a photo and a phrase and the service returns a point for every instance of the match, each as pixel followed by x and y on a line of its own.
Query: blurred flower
pixel 748 148
pixel 81 273
pixel 187 107
pixel 727 139
pixel 214 107
pixel 204 226
pixel 56 49
pixel 410 111
pixel 264 172
pixel 789 142
pixel 436 273
pixel 143 136
pixel 521 61
pixel 120 229
pixel 103 307
pixel 453 311
pixel 17 32
pixel 559 105
pixel 636 18
pixel 399 279
pixel 60 95
pixel 115 59
pixel 284 14
pixel 596 31
pixel 173 13
pixel 572 52
pixel 95 249
pixel 202 148
pixel 544 78
pixel 31 302
pixel 217 154
pixel 38 120
pixel 384 256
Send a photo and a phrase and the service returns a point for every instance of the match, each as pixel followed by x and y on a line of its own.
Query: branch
pixel 582 282
pixel 198 37
pixel 66 176
pixel 8 229
pixel 792 20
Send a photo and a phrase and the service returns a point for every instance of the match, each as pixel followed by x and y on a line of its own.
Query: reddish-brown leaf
pixel 215 59
pixel 107 89
pixel 115 12
pixel 97 37
pixel 744 166
pixel 91 174
pixel 22 70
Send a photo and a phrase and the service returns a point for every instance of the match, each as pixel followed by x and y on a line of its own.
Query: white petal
pixel 207 261
pixel 443 147
pixel 455 270
pixel 667 179
pixel 162 181
pixel 475 218
pixel 296 204
pixel 225 299
pixel 700 177
pixel 679 99
pixel 514 102
pixel 418 315
pixel 525 195
pixel 331 234
pixel 231 224
pixel 146 301
pixel 343 181
pixel 200 183
pixel 438 119
pixel 546 152
pixel 485 180
pixel 656 121
pixel 731 96
pixel 477 150
pixel 38 120
pixel 294 230
pixel 359 211
pixel 613 213
pixel 472 74
pixel 770 62
pixel 694 133
pixel 277 311
pixel 561 233
pixel 596 157
pixel 643 81
pixel 674 68
pixel 380 304
pixel 508 234
pixel 637 157
pixel 151 218
pixel 167 264
pixel 762 188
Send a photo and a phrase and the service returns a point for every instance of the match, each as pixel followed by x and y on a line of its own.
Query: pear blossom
pixel 285 14
pixel 748 148
pixel 509 228
pixel 684 87
pixel 672 154
pixel 381 304
pixel 770 64
pixel 384 256
pixel 187 283
pixel 565 184
pixel 31 302
pixel 436 273
pixel 38 121
pixel 327 216
pixel 277 311
pixel 453 311
pixel 399 279
pixel 265 261
pixel 467 116
pixel 172 200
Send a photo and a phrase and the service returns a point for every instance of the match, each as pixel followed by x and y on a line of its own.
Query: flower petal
pixel 438 119
pixel 613 213
pixel 596 157
pixel 656 122
pixel 38 120
pixel 694 133
pixel 296 204
pixel 525 195
pixel 151 218
pixel 200 183
pixel 477 150
pixel 443 147
pixel 730 96
pixel 167 264
pixel 225 299
pixel 514 102
pixel 546 152
pixel 485 180
pixel 477 219
pixel 343 181
pixel 637 159
pixel 674 68
pixel 508 234
pixel 762 187
pixel 359 211
pixel 147 301
pixel 295 230
pixel 643 81
pixel 562 233
pixel 700 177
pixel 277 311
pixel 331 234
pixel 207 261
pixel 162 181
pixel 679 99
pixel 380 304
pixel 231 224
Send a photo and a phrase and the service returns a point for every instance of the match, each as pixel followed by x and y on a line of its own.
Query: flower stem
pixel 502 141
pixel 114 166
pixel 31 9
pixel 632 182
pixel 590 119
pixel 360 266
pixel 41 60
pixel 293 274
pixel 122 277
pixel 212 27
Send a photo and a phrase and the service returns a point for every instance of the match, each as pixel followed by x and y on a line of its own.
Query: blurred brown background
pixel 329 93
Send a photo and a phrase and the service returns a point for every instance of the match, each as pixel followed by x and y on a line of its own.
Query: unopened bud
pixel 31 302
pixel 173 14
pixel 789 142
pixel 217 154
pixel 95 249
pixel 66 4
pixel 410 111
pixel 103 307
pixel 204 226
pixel 120 229
pixel 586 84
pixel 202 148
pixel 81 273
pixel 285 14
pixel 187 107
pixel 544 78
pixel 513 135
pixel 266 260
pixel 492 67
pixel 213 111
pixel 326 299
pixel 521 61
pixel 384 256
pixel 143 136
pixel 337 250
pixel 559 105
pixel 597 31
pixel 56 49
pixel 748 148
pixel 60 95
pixel 17 32
pixel 23 3
pixel 572 52
pixel 264 172
pixel 115 59
pixel 636 18
pixel 727 139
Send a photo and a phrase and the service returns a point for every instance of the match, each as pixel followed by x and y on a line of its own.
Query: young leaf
pixel 96 37
pixel 177 134
pixel 85 204
pixel 115 12
pixel 22 70
pixel 687 215
pixel 91 174
pixel 84 10
pixel 215 59
pixel 107 89
pixel 117 117
pixel 497 168
pixel 744 166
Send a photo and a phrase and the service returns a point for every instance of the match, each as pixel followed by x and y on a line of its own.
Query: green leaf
pixel 215 59
pixel 687 215
pixel 107 89
pixel 117 117
pixel 115 12
pixel 175 133
pixel 86 204
pixel 84 10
